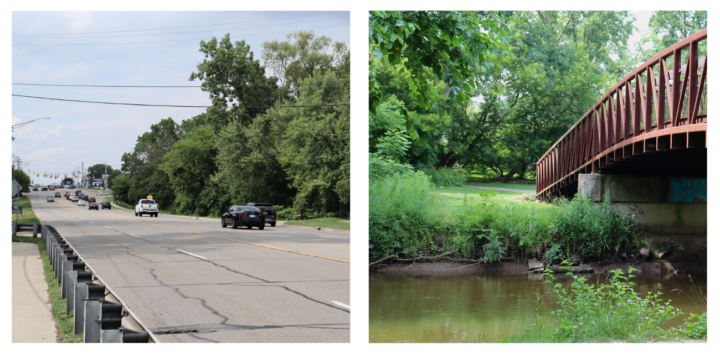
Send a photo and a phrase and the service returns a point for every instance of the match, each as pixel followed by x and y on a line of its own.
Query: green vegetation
pixel 330 223
pixel 28 215
pixel 250 147
pixel 534 74
pixel 409 217
pixel 22 178
pixel 608 312
pixel 519 186
pixel 63 322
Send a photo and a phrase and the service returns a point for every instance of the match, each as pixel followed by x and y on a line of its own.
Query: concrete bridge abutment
pixel 661 204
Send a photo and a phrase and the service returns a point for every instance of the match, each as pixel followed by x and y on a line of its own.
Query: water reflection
pixel 426 308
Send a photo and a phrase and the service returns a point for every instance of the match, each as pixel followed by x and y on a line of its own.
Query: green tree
pixel 314 144
pixel 452 46
pixel 189 165
pixel 545 87
pixel 142 165
pixel 667 28
pixel 21 177
pixel 97 170
pixel 301 55
pixel 235 81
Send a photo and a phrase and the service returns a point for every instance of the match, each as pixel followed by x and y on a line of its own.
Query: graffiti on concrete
pixel 684 191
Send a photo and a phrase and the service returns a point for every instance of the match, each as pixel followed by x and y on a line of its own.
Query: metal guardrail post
pixel 83 293
pixel 35 230
pixel 76 277
pixel 62 257
pixel 14 229
pixel 67 266
pixel 101 315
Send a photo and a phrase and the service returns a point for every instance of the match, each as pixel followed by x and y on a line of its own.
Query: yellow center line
pixel 223 238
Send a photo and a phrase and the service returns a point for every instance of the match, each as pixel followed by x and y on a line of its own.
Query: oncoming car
pixel 243 215
pixel 50 199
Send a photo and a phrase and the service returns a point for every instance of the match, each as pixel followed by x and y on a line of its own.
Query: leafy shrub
pixel 695 329
pixel 400 206
pixel 594 230
pixel 588 313
pixel 446 177
pixel 382 166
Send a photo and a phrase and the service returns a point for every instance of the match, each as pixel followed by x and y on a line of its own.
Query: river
pixel 482 307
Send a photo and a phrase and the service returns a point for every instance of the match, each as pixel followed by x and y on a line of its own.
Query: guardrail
pixel 97 311
pixel 654 108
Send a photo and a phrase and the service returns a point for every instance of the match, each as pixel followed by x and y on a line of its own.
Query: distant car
pixel 91 199
pixel 106 205
pixel 50 199
pixel 93 205
pixel 81 202
pixel 44 188
pixel 35 188
pixel 243 215
pixel 71 187
pixel 86 197
pixel 269 211
pixel 57 195
pixel 52 188
pixel 74 198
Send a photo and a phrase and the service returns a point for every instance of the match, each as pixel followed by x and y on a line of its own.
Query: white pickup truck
pixel 146 206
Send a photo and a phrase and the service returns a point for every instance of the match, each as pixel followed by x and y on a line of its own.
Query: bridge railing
pixel 661 97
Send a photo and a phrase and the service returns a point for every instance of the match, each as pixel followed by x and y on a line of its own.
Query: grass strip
pixel 63 322
pixel 330 223
pixel 28 215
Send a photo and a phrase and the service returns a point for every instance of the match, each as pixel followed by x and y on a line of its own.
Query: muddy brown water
pixel 482 307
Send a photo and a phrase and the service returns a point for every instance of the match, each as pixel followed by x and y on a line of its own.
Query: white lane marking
pixel 92 222
pixel 192 254
pixel 340 304
pixel 135 235
pixel 107 227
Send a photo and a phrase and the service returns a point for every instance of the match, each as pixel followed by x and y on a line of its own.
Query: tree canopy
pixel 252 145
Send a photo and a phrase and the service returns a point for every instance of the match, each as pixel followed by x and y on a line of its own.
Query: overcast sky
pixel 91 133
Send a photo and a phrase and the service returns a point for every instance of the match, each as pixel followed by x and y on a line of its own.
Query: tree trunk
pixel 508 176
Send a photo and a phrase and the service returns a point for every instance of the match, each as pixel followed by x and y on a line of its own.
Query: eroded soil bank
pixel 667 255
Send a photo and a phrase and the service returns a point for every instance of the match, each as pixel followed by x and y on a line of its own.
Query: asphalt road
pixel 190 280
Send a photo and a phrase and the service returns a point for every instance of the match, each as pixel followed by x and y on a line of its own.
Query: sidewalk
pixel 32 320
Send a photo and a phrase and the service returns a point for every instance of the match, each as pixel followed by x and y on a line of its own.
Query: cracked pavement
pixel 189 280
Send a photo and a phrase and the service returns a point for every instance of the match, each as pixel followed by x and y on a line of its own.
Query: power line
pixel 174 40
pixel 177 86
pixel 164 28
pixel 169 105
pixel 212 30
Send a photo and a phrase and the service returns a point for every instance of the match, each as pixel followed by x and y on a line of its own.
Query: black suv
pixel 92 205
pixel 106 205
pixel 269 211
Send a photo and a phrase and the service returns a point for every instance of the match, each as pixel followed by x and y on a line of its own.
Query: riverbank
pixel 410 218
pixel 508 266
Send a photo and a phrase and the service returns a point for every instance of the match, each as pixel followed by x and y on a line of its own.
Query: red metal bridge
pixel 652 122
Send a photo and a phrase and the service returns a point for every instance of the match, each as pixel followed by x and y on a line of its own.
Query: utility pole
pixel 82 174
pixel 105 181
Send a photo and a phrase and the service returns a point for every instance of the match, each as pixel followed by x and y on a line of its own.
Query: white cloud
pixel 45 154
pixel 80 20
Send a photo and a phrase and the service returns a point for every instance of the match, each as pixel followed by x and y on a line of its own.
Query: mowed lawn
pixel 454 197
pixel 530 187
pixel 330 223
